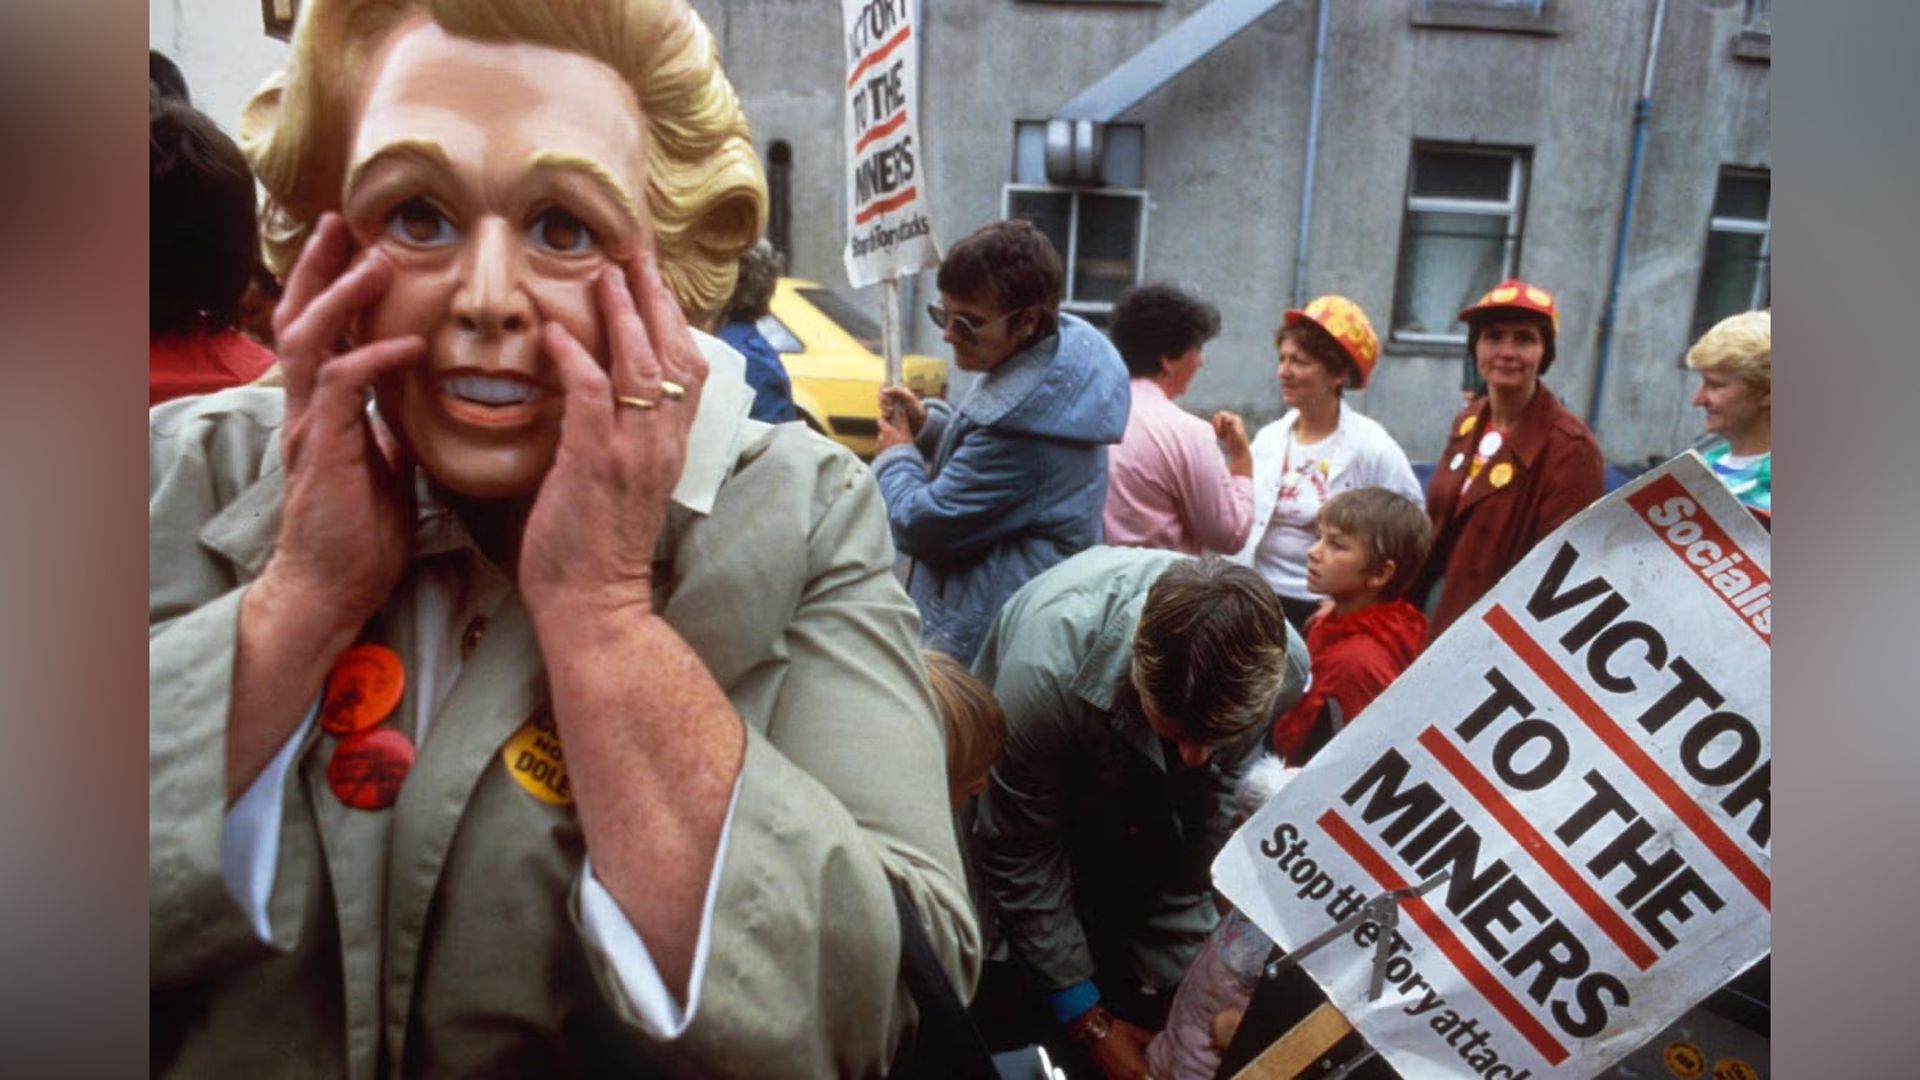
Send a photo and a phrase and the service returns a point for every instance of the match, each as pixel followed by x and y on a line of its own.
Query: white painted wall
pixel 221 48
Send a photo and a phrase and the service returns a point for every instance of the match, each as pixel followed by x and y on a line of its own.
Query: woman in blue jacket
pixel 986 494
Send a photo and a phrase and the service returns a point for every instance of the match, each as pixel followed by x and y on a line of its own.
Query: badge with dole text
pixel 534 760
pixel 1467 425
pixel 368 767
pixel 1684 1060
pixel 1500 475
pixel 362 689
pixel 1732 1068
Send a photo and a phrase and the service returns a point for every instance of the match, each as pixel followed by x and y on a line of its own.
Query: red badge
pixel 362 689
pixel 368 767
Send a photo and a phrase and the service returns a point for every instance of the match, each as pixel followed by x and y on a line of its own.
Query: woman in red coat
pixel 1516 463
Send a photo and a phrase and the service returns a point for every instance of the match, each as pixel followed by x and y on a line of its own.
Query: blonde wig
pixel 706 193
pixel 1740 345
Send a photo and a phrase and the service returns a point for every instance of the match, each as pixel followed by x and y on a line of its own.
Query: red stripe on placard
pixel 882 131
pixel 1690 535
pixel 885 205
pixel 877 55
pixel 1443 936
pixel 1590 713
pixel 1528 837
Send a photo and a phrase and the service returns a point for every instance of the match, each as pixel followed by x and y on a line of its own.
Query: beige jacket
pixel 441 936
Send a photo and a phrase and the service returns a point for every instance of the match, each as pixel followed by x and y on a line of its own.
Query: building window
pixel 1531 7
pixel 780 198
pixel 1737 273
pixel 1100 232
pixel 1516 16
pixel 1460 237
pixel 1754 41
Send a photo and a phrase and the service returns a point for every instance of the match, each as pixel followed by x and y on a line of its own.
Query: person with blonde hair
pixel 548 715
pixel 1735 362
pixel 974 723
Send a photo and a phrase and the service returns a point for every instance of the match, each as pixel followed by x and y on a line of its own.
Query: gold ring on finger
pixel 671 390
pixel 639 403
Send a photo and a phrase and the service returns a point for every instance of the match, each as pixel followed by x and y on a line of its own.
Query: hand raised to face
pixel 347 523
pixel 588 545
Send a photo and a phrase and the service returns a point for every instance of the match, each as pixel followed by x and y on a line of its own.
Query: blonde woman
pixel 1735 362
pixel 551 715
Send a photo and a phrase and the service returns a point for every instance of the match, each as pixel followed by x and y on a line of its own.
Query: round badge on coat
pixel 1466 425
pixel 368 767
pixel 1490 444
pixel 362 689
pixel 1500 475
pixel 1458 460
pixel 534 759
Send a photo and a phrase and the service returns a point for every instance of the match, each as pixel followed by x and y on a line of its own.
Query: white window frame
pixel 1510 209
pixel 1761 227
pixel 1070 257
pixel 1762 292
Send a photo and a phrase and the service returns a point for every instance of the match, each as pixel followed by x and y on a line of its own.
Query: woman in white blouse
pixel 1320 447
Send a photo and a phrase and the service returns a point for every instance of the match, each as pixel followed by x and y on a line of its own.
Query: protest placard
pixel 889 229
pixel 1588 753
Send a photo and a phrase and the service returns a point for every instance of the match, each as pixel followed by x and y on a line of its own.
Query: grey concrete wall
pixel 1710 108
pixel 222 49
pixel 1569 97
pixel 1225 152
pixel 1225 149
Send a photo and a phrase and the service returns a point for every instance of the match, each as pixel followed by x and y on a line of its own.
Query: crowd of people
pixel 530 693
pixel 1090 835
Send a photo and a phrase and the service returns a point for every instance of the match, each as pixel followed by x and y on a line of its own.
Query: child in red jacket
pixel 1372 542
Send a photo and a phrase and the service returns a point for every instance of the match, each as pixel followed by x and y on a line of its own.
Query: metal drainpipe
pixel 1642 111
pixel 1300 247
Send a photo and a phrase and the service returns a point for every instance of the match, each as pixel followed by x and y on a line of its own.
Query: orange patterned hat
pixel 1516 295
pixel 1345 323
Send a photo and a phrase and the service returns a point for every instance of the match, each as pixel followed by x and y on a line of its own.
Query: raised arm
pixel 802 974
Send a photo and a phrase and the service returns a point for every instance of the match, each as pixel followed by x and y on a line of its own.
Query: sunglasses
pixel 964 328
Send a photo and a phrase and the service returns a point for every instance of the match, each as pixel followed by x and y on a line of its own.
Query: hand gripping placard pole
pixel 1295 1052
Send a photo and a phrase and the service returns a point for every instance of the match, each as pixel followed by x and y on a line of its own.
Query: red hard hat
pixel 1516 295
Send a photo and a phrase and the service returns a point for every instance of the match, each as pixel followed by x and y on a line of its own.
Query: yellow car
pixel 831 349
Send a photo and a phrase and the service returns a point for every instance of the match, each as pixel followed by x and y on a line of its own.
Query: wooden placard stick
pixel 1306 1042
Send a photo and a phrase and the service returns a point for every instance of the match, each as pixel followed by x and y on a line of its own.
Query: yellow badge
pixel 1684 1060
pixel 1500 475
pixel 1467 425
pixel 1732 1068
pixel 534 760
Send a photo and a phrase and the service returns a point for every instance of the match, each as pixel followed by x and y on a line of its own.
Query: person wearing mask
pixel 985 494
pixel 1167 483
pixel 548 716
pixel 1320 447
pixel 1735 362
pixel 1516 463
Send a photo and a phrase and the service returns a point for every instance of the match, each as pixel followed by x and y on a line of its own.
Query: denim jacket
pixel 1007 483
